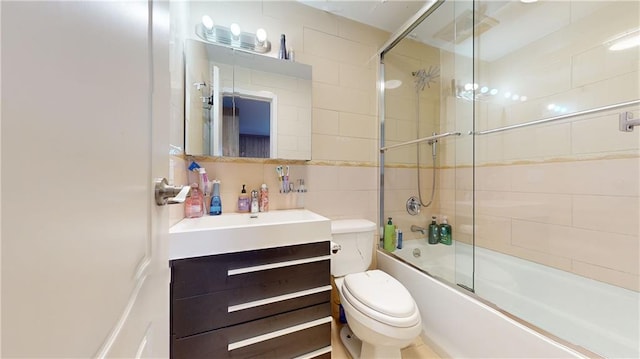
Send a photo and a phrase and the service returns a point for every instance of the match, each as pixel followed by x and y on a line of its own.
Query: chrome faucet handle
pixel 168 194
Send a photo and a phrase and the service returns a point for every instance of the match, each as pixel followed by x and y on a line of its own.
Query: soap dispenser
pixel 434 231
pixel 194 204
pixel 445 232
pixel 389 239
pixel 243 201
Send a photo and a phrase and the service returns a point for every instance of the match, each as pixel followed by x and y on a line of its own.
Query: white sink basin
pixel 235 232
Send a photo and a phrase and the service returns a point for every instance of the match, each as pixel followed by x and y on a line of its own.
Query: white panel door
pixel 84 127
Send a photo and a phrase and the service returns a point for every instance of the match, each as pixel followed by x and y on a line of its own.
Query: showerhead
pixel 425 77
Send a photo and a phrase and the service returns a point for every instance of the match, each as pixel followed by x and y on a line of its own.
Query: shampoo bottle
pixel 389 242
pixel 216 203
pixel 445 232
pixel 193 205
pixel 434 232
pixel 243 201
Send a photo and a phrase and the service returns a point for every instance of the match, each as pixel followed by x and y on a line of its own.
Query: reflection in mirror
pixel 239 104
pixel 246 129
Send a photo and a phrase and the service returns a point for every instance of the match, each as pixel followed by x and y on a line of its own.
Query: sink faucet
pixel 415 228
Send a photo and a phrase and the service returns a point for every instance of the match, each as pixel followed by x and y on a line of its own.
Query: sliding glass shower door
pixel 427 141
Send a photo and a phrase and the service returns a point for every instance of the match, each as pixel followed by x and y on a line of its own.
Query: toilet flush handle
pixel 335 247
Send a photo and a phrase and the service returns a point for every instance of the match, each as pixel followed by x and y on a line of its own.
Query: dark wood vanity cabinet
pixel 266 303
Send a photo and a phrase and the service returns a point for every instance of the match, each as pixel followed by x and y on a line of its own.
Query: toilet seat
pixel 381 297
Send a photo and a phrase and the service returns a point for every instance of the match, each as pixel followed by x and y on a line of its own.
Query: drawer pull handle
pixel 315 353
pixel 277 333
pixel 262 267
pixel 280 298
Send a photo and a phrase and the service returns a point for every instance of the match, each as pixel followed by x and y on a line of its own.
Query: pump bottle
pixel 445 232
pixel 389 240
pixel 434 232
pixel 216 203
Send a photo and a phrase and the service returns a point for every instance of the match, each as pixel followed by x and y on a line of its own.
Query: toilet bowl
pixel 382 317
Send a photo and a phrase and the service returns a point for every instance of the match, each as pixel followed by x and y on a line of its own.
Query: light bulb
pixel 493 91
pixel 468 87
pixel 207 22
pixel 261 35
pixel 235 30
pixel 484 89
pixel 515 97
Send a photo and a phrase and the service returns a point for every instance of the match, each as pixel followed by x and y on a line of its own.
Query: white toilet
pixel 382 316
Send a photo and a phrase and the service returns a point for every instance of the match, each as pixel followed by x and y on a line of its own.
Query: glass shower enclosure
pixel 517 121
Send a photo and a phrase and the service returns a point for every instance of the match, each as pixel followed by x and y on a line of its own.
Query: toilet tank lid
pixel 351 226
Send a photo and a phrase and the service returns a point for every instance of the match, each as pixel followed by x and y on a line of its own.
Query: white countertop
pixel 236 232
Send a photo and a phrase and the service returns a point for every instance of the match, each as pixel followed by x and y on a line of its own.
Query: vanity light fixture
pixel 232 36
pixel 207 22
pixel 624 41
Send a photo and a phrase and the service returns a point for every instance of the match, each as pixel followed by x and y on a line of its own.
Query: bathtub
pixel 600 317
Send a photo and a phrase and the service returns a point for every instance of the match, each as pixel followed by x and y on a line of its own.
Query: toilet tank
pixel 356 238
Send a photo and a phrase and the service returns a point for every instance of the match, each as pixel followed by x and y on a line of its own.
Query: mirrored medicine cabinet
pixel 241 104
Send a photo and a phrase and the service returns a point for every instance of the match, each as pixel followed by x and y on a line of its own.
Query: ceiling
pixel 387 15
pixel 519 23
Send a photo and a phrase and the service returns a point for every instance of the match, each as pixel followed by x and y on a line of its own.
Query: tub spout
pixel 415 228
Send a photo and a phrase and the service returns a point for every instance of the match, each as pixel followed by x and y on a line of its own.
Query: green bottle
pixel 389 241
pixel 445 232
pixel 434 232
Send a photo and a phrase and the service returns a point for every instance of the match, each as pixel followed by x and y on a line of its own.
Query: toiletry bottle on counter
pixel 193 205
pixel 244 202
pixel 254 201
pixel 434 232
pixel 445 232
pixel 264 198
pixel 389 242
pixel 282 54
pixel 399 238
pixel 216 203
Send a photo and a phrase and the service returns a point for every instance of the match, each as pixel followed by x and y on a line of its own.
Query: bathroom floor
pixel 416 350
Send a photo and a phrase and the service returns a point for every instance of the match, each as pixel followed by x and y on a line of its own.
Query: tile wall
pixel 565 194
pixel 342 177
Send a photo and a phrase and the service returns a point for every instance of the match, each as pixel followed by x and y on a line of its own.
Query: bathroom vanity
pixel 244 287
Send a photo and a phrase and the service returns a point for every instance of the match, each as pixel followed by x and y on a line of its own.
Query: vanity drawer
pixel 286 335
pixel 212 311
pixel 196 276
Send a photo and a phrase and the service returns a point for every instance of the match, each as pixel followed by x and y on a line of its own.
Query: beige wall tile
pixel 358 77
pixel 326 122
pixel 535 207
pixel 358 178
pixel 621 279
pixel 601 134
pixel 538 141
pixel 337 98
pixel 491 232
pixel 355 125
pixel 606 249
pixel 324 70
pixel 339 49
pixel 606 213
